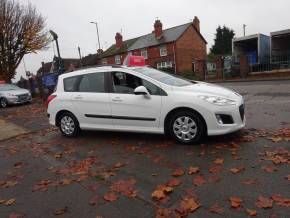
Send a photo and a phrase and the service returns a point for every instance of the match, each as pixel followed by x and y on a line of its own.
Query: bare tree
pixel 21 32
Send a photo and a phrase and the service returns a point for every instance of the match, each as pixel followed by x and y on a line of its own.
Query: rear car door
pixel 92 100
pixel 130 111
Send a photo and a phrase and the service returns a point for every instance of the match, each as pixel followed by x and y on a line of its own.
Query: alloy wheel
pixel 67 125
pixel 185 128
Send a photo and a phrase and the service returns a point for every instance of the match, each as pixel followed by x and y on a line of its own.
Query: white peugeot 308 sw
pixel 143 99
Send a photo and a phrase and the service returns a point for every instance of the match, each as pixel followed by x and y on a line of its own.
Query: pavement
pixel 109 174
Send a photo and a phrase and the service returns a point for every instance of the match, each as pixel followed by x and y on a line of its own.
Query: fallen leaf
pixel 285 202
pixel 193 170
pixel 18 165
pixel 216 209
pixel 178 172
pixel 288 177
pixel 264 202
pixel 111 196
pixel 119 165
pixel 215 169
pixel 174 182
pixel 161 192
pixel 237 170
pixel 250 182
pixel 251 212
pixel 187 205
pixel 269 169
pixel 235 202
pixel 60 211
pixel 94 200
pixel 58 155
pixel 163 213
pixel 219 161
pixel 10 202
pixel 15 215
pixel 199 180
pixel 65 181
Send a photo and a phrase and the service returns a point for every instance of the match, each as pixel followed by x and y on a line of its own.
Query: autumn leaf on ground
pixel 251 212
pixel 65 182
pixel 187 205
pixel 219 161
pixel 193 170
pixel 269 169
pixel 235 202
pixel 60 211
pixel 215 169
pixel 110 196
pixel 119 165
pixel 18 165
pixel 10 202
pixel 161 192
pixel 15 215
pixel 125 187
pixel 264 202
pixel 276 139
pixel 163 213
pixel 94 200
pixel 58 155
pixel 178 172
pixel 216 208
pixel 174 182
pixel 8 184
pixel 199 180
pixel 236 170
pixel 250 182
pixel 288 177
pixel 285 202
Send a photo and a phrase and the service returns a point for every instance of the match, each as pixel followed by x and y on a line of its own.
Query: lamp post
pixel 60 64
pixel 97 33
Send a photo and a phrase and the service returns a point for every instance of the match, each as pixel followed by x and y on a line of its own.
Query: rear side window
pixel 94 82
pixel 70 83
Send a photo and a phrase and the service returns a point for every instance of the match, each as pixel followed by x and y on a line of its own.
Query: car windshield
pixel 163 77
pixel 8 87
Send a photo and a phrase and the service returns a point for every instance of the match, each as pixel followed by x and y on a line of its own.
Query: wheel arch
pixel 59 113
pixel 177 109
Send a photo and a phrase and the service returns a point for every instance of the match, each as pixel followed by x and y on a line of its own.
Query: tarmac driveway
pixel 106 174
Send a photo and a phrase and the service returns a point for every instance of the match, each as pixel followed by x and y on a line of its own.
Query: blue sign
pixel 50 79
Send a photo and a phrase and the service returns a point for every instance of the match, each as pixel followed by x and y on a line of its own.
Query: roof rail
pixel 100 65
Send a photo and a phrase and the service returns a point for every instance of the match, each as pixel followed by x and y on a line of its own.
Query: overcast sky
pixel 70 19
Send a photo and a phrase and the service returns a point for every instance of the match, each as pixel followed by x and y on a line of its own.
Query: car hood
pixel 15 92
pixel 203 88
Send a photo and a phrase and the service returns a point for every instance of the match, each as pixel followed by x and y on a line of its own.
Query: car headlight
pixel 11 95
pixel 217 100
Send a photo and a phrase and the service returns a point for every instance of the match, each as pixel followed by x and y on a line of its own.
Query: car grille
pixel 23 97
pixel 242 111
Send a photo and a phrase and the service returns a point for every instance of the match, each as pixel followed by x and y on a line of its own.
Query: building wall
pixel 189 47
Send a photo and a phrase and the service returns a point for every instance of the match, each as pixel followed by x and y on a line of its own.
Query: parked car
pixel 11 95
pixel 143 99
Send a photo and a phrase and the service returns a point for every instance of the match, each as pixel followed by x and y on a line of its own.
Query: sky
pixel 70 19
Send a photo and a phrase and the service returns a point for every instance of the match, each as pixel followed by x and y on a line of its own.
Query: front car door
pixel 134 112
pixel 92 101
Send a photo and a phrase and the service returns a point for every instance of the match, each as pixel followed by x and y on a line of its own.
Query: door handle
pixel 78 97
pixel 117 99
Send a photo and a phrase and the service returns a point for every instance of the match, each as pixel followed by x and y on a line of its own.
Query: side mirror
pixel 141 90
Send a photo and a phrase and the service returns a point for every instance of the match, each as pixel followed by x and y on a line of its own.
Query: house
pixel 178 49
pixel 50 67
pixel 256 47
pixel 280 47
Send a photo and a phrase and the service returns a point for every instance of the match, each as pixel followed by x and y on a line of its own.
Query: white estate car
pixel 143 99
pixel 11 95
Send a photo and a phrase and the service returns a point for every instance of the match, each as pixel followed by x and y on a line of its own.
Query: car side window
pixel 70 83
pixel 93 82
pixel 125 83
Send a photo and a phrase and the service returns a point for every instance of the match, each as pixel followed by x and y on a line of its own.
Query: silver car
pixel 11 94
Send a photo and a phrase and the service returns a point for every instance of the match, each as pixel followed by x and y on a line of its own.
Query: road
pixel 108 174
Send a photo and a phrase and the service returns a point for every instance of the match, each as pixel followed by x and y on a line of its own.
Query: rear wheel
pixel 3 102
pixel 68 125
pixel 187 127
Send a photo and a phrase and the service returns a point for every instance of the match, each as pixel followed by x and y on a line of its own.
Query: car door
pixel 130 111
pixel 92 101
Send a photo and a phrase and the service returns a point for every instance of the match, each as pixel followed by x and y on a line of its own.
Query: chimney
pixel 119 40
pixel 158 29
pixel 196 23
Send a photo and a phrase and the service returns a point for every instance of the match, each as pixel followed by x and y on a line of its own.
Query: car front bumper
pixel 17 100
pixel 238 116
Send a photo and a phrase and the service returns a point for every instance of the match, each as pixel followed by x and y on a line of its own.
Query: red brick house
pixel 181 48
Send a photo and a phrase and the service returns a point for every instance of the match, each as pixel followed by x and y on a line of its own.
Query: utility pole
pixel 97 33
pixel 79 49
pixel 244 27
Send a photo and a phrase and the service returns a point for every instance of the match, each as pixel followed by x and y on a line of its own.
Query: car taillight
pixel 49 99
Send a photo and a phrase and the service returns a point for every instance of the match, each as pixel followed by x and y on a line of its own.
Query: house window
pixel 105 61
pixel 163 50
pixel 165 64
pixel 117 59
pixel 144 53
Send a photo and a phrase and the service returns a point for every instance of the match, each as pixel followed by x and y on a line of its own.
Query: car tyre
pixel 187 127
pixel 68 125
pixel 3 103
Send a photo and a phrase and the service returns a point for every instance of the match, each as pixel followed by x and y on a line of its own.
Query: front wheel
pixel 3 102
pixel 69 125
pixel 187 127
